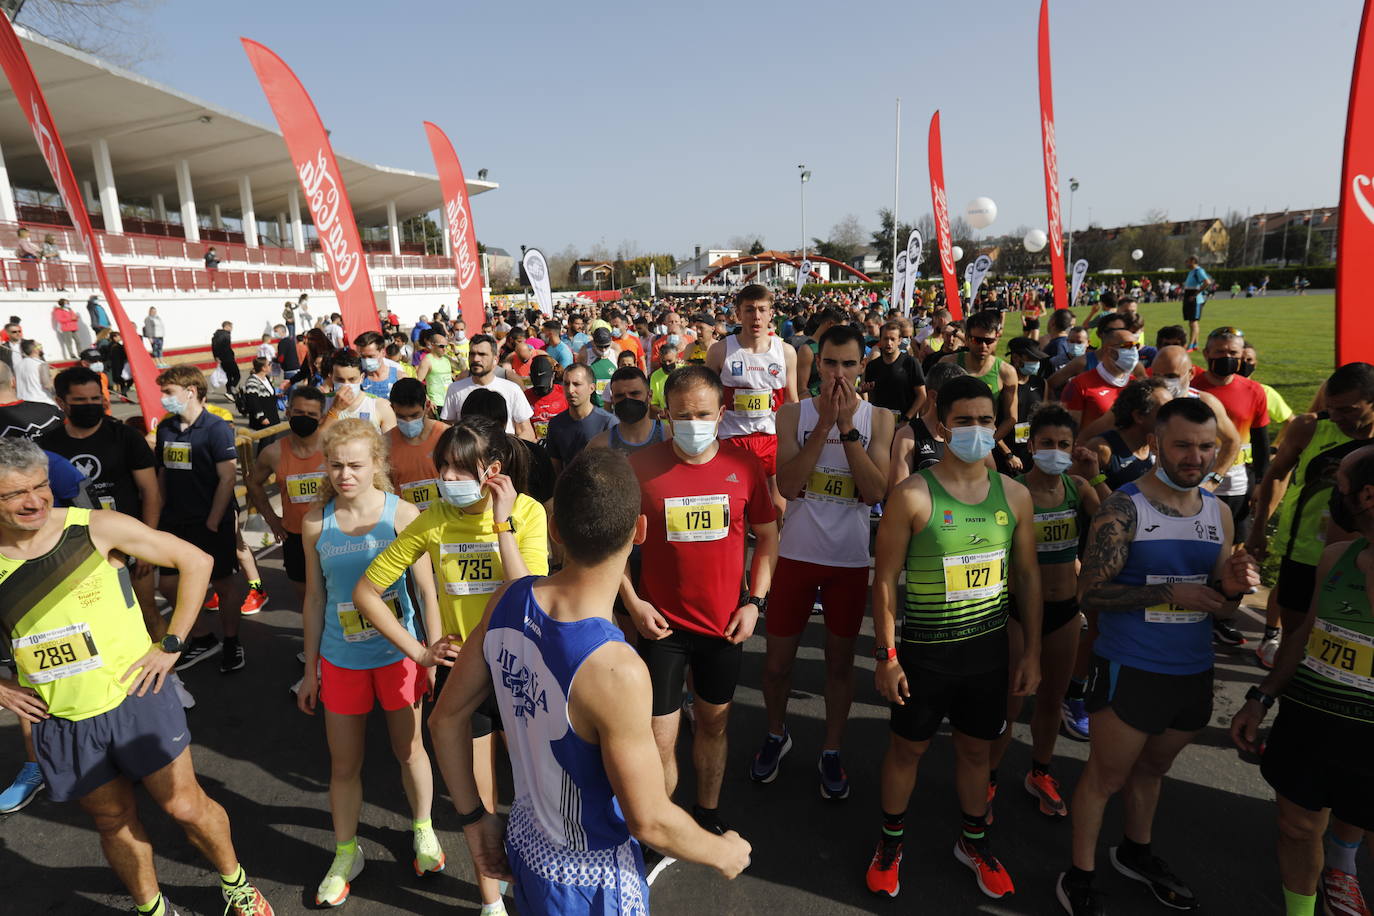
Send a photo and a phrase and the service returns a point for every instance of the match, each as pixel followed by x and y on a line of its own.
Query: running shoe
pixel 993 879
pixel 1266 650
pixel 1225 634
pixel 834 780
pixel 197 649
pixel 1341 894
pixel 1084 900
pixel 23 790
pixel 883 871
pixel 655 863
pixel 257 597
pixel 765 765
pixel 168 908
pixel 1075 716
pixel 233 659
pixel 333 890
pixel 245 900
pixel 1151 870
pixel 1046 788
pixel 184 695
pixel 211 603
pixel 429 856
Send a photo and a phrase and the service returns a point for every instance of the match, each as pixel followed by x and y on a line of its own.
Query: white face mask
pixel 694 436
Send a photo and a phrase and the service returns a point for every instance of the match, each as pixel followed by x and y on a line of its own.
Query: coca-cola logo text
pixel 1357 187
pixel 325 198
pixel 458 222
pixel 1052 187
pixel 937 194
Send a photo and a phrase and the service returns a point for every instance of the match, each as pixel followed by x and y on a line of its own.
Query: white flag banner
pixel 653 280
pixel 802 273
pixel 898 280
pixel 537 269
pixel 968 276
pixel 1080 273
pixel 978 270
pixel 913 268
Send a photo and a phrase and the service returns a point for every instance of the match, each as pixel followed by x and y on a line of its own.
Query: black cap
pixel 541 371
pixel 601 337
pixel 1024 346
pixel 92 355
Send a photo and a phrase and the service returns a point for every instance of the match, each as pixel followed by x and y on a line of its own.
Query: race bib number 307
pixel 55 654
pixel 697 518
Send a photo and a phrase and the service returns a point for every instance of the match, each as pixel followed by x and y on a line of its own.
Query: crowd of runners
pixel 563 529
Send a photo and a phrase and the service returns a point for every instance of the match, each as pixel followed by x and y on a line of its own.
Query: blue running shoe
pixel 23 790
pixel 1075 716
pixel 765 765
pixel 834 780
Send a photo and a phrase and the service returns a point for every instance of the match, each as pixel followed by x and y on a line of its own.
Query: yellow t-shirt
pixel 466 557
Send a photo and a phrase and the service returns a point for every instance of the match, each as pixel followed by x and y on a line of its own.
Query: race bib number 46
pixel 975 576
pixel 55 654
pixel 176 455
pixel 470 568
pixel 832 485
pixel 1172 613
pixel 1341 655
pixel 697 518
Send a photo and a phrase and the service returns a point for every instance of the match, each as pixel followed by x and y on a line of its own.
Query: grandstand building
pixel 166 176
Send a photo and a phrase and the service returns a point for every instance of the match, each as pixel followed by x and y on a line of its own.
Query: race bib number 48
pixel 1172 613
pixel 55 654
pixel 176 455
pixel 697 518
pixel 975 576
pixel 756 402
pixel 470 568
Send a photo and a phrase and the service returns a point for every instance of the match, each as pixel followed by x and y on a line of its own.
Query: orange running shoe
pixel 883 870
pixel 245 900
pixel 1045 788
pixel 212 603
pixel 257 597
pixel 993 879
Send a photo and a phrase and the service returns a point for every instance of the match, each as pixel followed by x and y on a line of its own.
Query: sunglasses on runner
pixel 1227 332
pixel 985 341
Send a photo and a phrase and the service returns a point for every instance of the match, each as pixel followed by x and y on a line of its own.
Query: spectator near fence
pixel 154 329
pixel 65 323
pixel 222 348
pixel 30 252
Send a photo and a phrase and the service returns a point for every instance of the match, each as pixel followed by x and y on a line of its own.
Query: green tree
pixel 881 238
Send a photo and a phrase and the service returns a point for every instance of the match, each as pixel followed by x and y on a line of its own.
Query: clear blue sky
pixel 674 125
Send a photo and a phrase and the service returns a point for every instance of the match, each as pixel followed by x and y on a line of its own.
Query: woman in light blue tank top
pixel 350 663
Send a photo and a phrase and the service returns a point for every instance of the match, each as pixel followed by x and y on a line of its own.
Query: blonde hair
pixel 354 430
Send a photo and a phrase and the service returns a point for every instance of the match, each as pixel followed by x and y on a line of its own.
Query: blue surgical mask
pixel 97 367
pixel 172 405
pixel 1030 368
pixel 694 436
pixel 971 444
pixel 1052 461
pixel 674 340
pixel 1077 349
pixel 371 364
pixel 617 333
pixel 1168 482
pixel 460 493
pixel 1126 359
pixel 411 428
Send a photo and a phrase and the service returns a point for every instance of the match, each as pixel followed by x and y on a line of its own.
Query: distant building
pixel 591 273
pixel 1207 238
pixel 692 269
pixel 499 259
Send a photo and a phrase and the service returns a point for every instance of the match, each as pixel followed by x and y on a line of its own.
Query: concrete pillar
pixel 104 179
pixel 250 219
pixel 281 230
pixel 297 230
pixel 190 222
pixel 160 207
pixel 92 205
pixel 216 216
pixel 394 226
pixel 8 212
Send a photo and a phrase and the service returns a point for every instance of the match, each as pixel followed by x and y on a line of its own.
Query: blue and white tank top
pixel 349 641
pixel 381 388
pixel 1165 639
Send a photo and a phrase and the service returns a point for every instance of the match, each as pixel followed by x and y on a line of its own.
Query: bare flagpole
pixel 896 183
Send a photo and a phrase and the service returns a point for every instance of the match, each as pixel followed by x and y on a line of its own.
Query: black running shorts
pixel 975 704
pixel 1148 701
pixel 1317 760
pixel 1297 584
pixel 1192 309
pixel 715 664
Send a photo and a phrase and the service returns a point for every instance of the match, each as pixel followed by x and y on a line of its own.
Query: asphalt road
pixel 267 764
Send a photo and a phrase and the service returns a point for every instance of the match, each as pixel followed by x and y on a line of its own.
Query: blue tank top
pixel 622 444
pixel 1164 639
pixel 1124 465
pixel 349 641
pixel 381 388
pixel 559 778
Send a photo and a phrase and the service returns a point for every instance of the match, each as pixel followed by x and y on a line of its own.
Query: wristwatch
pixel 1260 697
pixel 851 436
pixel 507 525
pixel 885 655
pixel 756 601
pixel 1213 477
pixel 171 644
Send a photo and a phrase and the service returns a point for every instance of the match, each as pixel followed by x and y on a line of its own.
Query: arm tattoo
pixel 1109 544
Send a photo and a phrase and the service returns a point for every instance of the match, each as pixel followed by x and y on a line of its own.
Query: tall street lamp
pixel 1073 186
pixel 805 177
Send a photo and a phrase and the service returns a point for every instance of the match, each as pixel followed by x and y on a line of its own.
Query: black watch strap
pixel 760 603
pixel 473 816
pixel 1260 697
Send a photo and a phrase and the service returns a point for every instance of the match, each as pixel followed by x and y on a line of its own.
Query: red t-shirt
pixel 1091 394
pixel 545 408
pixel 693 557
pixel 1245 401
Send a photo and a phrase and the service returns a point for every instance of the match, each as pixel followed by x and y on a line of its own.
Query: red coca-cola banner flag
pixel 1056 223
pixel 461 235
pixel 1354 264
pixel 939 205
pixel 30 98
pixel 330 211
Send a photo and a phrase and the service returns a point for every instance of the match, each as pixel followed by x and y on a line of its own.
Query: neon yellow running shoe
pixel 333 890
pixel 429 857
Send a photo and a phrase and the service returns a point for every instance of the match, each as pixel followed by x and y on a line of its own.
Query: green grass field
pixel 1294 337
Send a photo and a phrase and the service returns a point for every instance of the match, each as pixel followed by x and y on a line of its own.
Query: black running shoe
pixel 1225 634
pixel 197 649
pixel 1078 899
pixel 1151 870
pixel 233 659
pixel 709 820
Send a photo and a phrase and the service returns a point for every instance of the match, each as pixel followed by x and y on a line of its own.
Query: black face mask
pixel 630 410
pixel 85 416
pixel 1224 366
pixel 304 426
pixel 1343 512
pixel 1246 369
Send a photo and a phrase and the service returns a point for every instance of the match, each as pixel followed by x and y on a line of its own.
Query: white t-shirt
pixel 517 406
pixel 335 333
pixel 28 380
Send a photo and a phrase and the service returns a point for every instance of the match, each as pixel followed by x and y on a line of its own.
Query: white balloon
pixel 980 212
pixel 1036 240
pixel 1137 255
pixel 957 252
